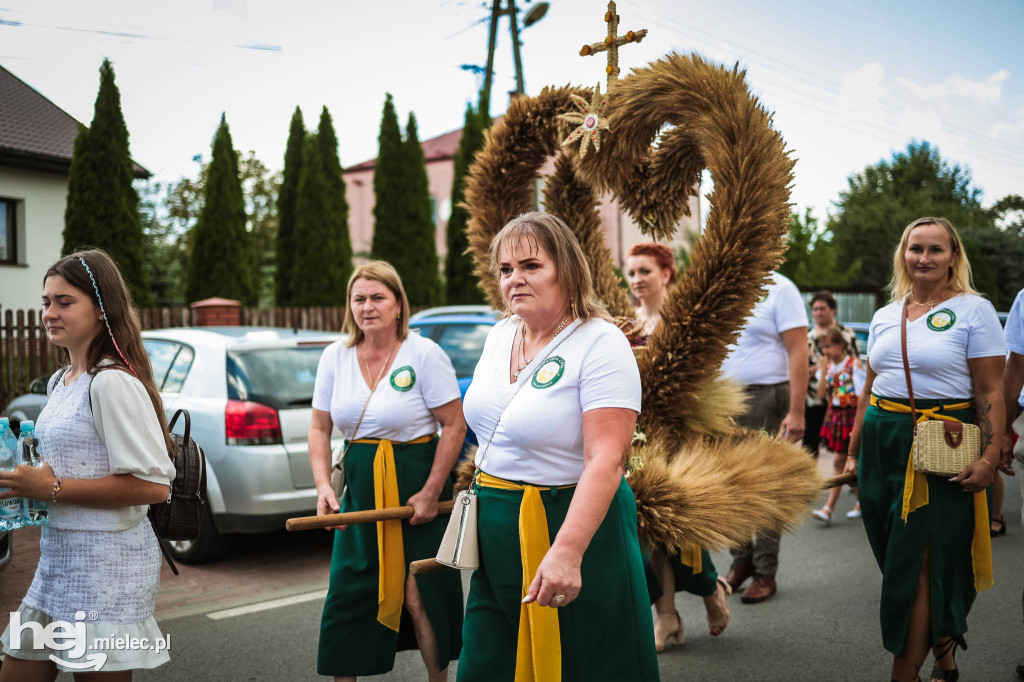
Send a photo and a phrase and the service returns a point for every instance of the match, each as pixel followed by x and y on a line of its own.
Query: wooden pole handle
pixel 365 516
pixel 841 479
pixel 427 566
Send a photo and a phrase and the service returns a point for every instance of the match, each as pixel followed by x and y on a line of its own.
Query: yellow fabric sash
pixel 539 653
pixel 915 492
pixel 691 556
pixel 390 551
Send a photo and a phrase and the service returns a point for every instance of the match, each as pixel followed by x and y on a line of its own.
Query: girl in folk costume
pixel 106 444
pixel 650 271
pixel 841 377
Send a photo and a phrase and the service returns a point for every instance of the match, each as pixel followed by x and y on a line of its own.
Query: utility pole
pixel 497 11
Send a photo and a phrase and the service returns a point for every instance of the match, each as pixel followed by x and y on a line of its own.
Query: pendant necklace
pixel 522 348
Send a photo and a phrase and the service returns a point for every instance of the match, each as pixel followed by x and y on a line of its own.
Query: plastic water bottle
pixel 10 507
pixel 28 445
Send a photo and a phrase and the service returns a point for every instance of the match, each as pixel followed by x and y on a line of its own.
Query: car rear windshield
pixel 279 377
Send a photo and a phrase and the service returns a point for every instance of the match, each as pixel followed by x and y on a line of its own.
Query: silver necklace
pixel 522 348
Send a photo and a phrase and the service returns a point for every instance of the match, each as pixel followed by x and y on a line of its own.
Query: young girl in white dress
pixel 104 440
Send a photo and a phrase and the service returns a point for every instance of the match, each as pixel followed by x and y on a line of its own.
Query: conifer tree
pixel 418 266
pixel 220 264
pixel 389 189
pixel 103 207
pixel 286 209
pixel 321 223
pixel 460 282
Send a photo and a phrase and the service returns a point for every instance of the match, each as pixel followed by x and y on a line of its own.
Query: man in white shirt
pixel 770 362
pixel 1013 381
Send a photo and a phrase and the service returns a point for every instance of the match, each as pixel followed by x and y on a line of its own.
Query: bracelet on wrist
pixel 990 464
pixel 56 489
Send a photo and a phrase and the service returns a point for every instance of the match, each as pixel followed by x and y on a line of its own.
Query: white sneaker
pixel 854 513
pixel 824 515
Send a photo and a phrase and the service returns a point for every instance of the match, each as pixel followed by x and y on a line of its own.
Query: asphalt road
pixel 821 626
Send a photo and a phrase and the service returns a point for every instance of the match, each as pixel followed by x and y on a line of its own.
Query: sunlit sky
pixel 850 82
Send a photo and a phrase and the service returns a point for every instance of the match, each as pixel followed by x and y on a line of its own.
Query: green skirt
pixel 352 642
pixel 945 524
pixel 606 633
pixel 703 584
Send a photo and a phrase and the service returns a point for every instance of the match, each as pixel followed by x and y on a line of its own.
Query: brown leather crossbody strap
pixel 906 363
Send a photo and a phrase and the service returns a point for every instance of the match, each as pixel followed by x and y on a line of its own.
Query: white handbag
pixel 460 546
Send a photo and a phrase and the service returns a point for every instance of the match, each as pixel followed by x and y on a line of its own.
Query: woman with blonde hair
pixel 930 540
pixel 560 592
pixel 387 391
pixel 650 271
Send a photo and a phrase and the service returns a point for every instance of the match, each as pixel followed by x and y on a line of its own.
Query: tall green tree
pixel 882 200
pixel 321 223
pixel 389 189
pixel 102 206
pixel 418 265
pixel 293 157
pixel 459 281
pixel 812 259
pixel 220 263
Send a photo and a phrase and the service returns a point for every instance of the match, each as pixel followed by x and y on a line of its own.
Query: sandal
pixel 997 527
pixel 716 604
pixel 824 515
pixel 664 633
pixel 949 646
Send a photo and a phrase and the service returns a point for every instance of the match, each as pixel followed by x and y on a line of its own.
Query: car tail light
pixel 249 423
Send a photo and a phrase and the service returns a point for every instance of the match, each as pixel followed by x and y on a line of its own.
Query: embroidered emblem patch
pixel 941 320
pixel 403 378
pixel 549 373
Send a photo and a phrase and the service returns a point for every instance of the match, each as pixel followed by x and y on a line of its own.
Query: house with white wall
pixel 37 139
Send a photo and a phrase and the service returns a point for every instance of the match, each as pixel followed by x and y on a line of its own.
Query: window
pixel 178 371
pixel 464 343
pixel 8 241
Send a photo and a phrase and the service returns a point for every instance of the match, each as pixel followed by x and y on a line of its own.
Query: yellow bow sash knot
pixel 390 550
pixel 539 653
pixel 691 556
pixel 915 492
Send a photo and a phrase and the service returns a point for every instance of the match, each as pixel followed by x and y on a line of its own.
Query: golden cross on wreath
pixel 612 42
pixel 590 117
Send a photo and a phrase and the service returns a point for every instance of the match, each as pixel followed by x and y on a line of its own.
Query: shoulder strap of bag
pixel 487 446
pixel 373 389
pixel 906 363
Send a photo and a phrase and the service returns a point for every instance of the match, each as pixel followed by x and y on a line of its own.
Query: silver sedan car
pixel 249 391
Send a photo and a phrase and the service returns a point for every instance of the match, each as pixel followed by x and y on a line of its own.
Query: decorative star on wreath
pixel 589 121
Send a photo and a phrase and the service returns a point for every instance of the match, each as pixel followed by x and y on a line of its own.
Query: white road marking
pixel 267 605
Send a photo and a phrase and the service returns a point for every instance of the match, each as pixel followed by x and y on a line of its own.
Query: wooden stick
pixel 366 516
pixel 428 566
pixel 841 479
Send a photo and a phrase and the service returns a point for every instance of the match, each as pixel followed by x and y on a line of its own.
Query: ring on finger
pixel 559 598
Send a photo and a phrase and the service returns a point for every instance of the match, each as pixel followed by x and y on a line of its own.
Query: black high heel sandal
pixel 951 645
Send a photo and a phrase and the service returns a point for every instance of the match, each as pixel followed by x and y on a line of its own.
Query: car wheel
pixel 209 545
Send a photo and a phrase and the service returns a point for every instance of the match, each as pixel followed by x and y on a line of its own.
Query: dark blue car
pixel 461 332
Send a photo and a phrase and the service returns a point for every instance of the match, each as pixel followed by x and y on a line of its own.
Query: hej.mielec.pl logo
pixel 62 636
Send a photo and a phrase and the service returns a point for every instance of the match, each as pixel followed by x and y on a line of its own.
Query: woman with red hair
pixel 650 270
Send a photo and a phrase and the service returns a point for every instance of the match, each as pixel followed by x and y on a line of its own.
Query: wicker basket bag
pixel 942 447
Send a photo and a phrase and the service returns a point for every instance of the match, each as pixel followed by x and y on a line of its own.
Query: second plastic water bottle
pixel 28 449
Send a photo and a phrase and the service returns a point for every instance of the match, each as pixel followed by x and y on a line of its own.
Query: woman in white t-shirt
pixel 554 400
pixel 106 450
pixel 929 538
pixel 387 391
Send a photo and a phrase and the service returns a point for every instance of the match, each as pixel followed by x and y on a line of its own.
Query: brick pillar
pixel 216 312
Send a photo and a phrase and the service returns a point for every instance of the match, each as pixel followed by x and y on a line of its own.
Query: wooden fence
pixel 26 353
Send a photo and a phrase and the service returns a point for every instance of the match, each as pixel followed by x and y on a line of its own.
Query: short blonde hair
pixel 385 273
pixel 960 279
pixel 548 232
